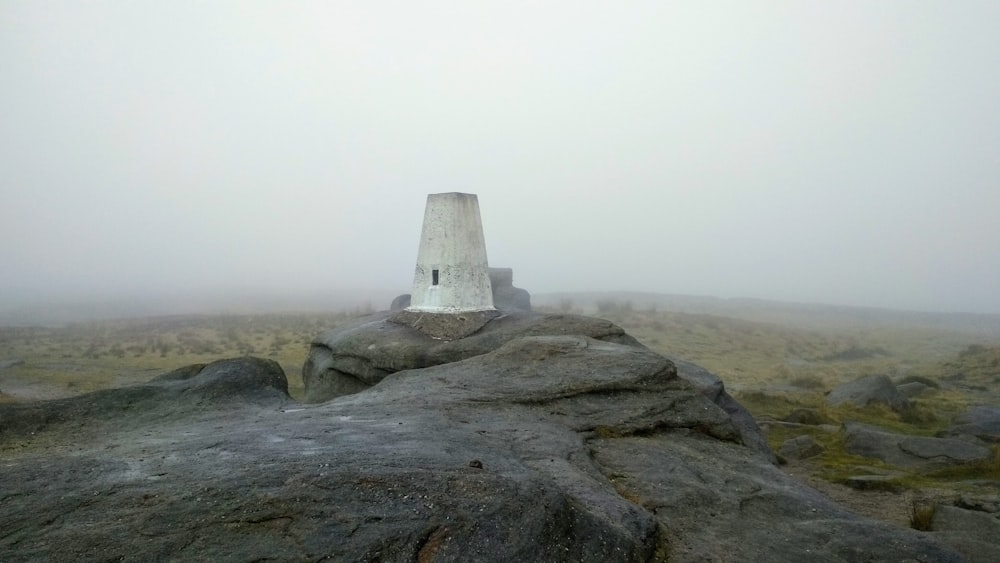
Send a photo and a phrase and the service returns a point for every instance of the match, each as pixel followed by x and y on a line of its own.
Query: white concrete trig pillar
pixel 452 274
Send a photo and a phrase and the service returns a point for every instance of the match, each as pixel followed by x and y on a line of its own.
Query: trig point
pixel 452 274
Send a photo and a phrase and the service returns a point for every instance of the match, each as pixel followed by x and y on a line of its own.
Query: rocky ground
pixel 547 444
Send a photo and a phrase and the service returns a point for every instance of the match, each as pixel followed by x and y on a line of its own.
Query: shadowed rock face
pixel 219 386
pixel 506 297
pixel 546 447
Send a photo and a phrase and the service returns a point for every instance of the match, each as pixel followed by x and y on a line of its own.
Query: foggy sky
pixel 838 152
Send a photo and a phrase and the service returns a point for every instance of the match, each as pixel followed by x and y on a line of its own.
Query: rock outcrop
pixel 506 297
pixel 912 452
pixel 982 422
pixel 350 359
pixel 955 519
pixel 533 441
pixel 869 390
pixel 219 386
pixel 973 530
pixel 400 302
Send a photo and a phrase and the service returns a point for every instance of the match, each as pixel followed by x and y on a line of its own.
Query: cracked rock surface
pixel 545 447
pixel 350 359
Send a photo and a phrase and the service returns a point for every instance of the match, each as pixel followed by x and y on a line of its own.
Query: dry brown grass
pixel 922 515
pixel 89 356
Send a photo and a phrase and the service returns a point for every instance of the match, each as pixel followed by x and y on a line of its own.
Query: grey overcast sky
pixel 843 152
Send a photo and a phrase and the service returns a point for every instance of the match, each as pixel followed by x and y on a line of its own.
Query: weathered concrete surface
pixel 548 448
pixel 452 273
pixel 506 297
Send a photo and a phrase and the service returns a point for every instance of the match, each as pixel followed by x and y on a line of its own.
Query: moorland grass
pixel 89 356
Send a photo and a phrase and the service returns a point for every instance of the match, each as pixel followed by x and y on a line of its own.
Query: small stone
pixel 874 482
pixel 800 447
pixel 807 416
pixel 476 464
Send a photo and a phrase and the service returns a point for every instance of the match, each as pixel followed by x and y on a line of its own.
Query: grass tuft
pixel 922 515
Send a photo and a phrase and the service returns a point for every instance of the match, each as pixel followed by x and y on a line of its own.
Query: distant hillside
pixel 811 316
pixel 808 316
pixel 65 311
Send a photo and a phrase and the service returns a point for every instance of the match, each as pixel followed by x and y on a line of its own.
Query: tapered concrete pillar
pixel 452 274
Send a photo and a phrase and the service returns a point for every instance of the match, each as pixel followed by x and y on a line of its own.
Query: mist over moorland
pixel 27 310
pixel 36 311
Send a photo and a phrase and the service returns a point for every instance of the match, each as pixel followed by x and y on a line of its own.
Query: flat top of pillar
pixel 452 195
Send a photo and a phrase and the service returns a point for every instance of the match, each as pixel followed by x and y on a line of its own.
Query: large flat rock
pixel 911 452
pixel 547 448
